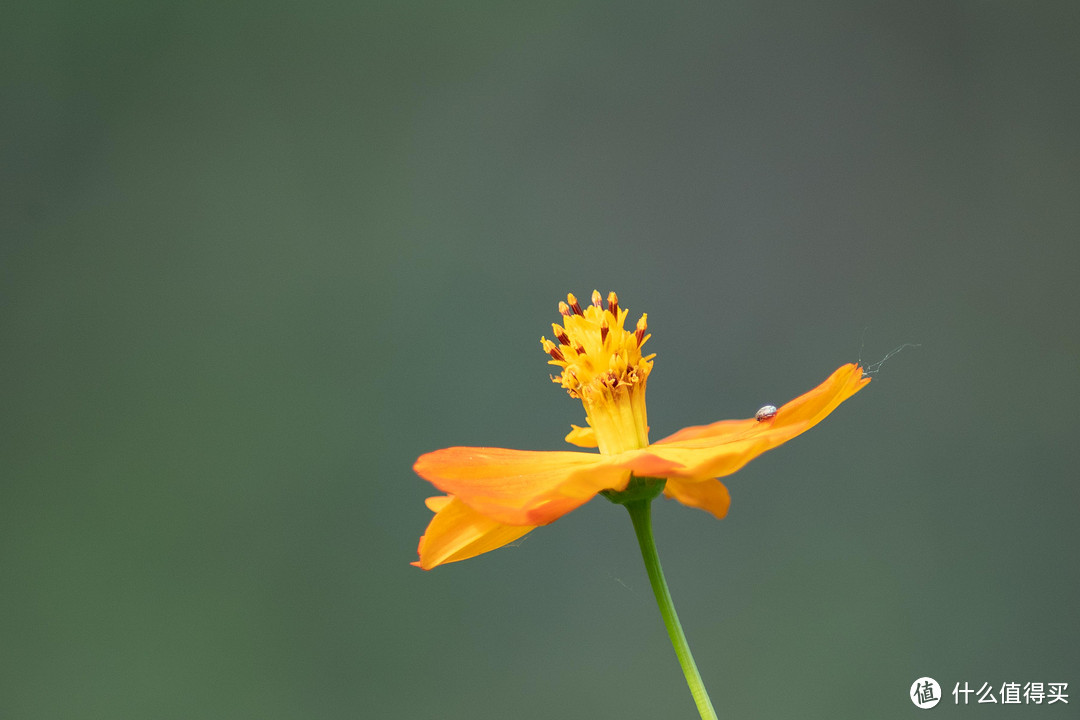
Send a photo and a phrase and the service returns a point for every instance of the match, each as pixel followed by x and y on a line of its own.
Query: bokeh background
pixel 255 258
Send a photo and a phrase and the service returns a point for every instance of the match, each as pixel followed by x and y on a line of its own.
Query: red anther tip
pixel 613 303
pixel 642 327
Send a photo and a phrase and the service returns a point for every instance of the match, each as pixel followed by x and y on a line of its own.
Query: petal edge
pixel 520 487
pixel 711 495
pixel 719 449
pixel 457 532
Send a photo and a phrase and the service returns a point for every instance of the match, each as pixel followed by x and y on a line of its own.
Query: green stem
pixel 641 515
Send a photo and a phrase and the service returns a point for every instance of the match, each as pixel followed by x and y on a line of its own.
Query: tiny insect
pixel 765 412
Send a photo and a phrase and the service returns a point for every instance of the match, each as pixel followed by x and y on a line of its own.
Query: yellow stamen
pixel 605 370
pixel 642 327
pixel 560 334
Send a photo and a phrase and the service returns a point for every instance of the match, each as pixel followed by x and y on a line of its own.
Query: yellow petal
pixel 711 495
pixel 457 532
pixel 521 487
pixel 582 437
pixel 435 504
pixel 709 451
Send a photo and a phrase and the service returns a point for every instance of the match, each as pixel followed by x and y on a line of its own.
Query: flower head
pixel 494 495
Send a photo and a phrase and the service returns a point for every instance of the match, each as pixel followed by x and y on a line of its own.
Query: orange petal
pixel 719 449
pixel 520 487
pixel 645 463
pixel 457 532
pixel 842 384
pixel 723 428
pixel 711 495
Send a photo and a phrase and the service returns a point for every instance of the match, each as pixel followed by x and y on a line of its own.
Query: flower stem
pixel 641 515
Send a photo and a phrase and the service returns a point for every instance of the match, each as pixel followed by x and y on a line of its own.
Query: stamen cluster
pixel 602 366
pixel 594 351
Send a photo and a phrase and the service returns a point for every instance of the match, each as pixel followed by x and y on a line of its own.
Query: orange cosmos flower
pixel 495 496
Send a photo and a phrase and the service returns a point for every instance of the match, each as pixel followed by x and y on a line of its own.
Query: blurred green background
pixel 255 258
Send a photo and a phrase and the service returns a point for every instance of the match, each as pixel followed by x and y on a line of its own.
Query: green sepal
pixel 639 488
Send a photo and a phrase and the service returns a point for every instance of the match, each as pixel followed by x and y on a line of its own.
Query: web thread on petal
pixel 875 367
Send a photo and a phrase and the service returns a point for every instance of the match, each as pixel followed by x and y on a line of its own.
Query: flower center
pixel 602 365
